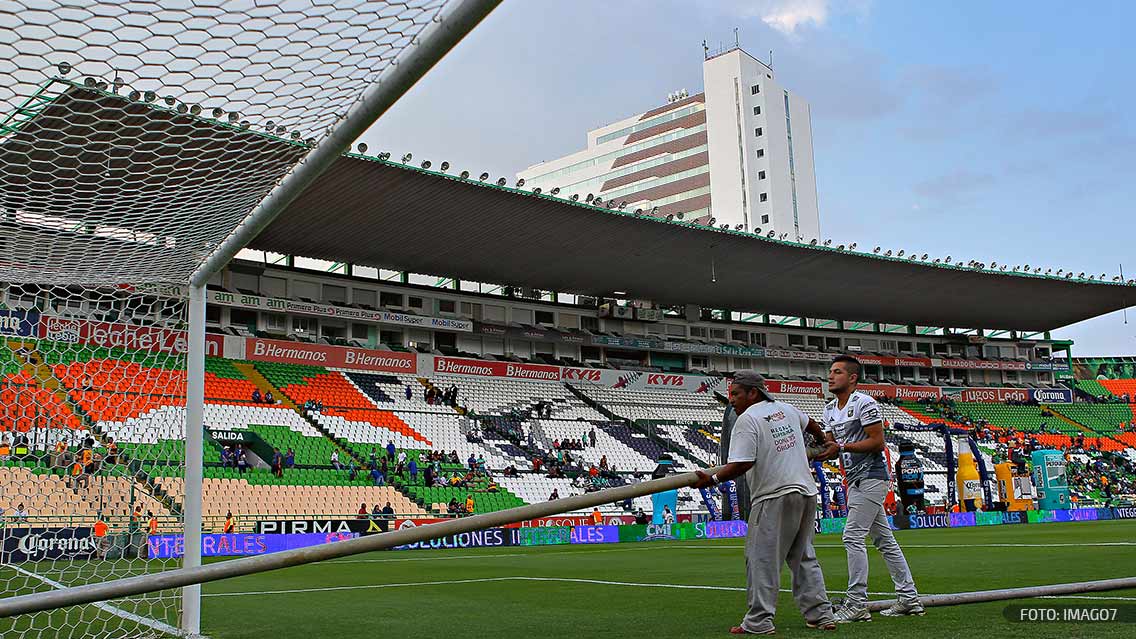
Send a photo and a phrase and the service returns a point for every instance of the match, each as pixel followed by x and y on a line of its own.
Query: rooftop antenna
pixel 737 42
pixel 1125 302
pixel 771 58
pixel 705 50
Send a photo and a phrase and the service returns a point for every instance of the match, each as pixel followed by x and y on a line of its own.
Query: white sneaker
pixel 851 613
pixel 904 609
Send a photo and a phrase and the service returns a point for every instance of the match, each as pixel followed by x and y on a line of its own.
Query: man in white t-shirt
pixel 768 446
pixel 854 423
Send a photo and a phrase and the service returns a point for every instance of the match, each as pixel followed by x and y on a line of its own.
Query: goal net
pixel 135 137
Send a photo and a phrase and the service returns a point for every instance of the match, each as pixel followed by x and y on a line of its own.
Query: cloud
pixel 787 16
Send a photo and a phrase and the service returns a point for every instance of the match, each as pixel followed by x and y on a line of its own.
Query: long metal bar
pixel 429 47
pixel 959 598
pixel 194 447
pixel 187 576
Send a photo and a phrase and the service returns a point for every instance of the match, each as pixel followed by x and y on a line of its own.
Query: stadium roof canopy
pixel 381 213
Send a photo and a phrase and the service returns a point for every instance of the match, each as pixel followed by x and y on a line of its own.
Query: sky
pixel 986 131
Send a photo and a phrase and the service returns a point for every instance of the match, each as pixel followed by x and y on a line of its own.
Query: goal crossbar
pixel 182 577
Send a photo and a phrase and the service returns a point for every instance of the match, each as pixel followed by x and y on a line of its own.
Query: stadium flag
pixel 818 468
pixel 731 489
pixel 708 499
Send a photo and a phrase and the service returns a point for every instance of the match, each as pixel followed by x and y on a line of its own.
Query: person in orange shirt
pixel 100 532
pixel 597 518
pixel 153 525
pixel 469 504
pixel 230 526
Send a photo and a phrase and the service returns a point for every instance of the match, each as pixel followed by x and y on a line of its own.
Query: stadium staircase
pixel 1060 416
pixel 263 385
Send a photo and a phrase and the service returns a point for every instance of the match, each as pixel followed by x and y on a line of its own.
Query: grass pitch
pixel 663 589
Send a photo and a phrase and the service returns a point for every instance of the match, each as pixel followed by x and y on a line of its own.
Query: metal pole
pixel 958 598
pixel 182 577
pixel 194 434
pixel 428 48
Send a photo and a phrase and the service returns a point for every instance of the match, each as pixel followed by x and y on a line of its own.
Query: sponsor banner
pixel 989 395
pixel 173 546
pixel 108 335
pixel 488 538
pixel 979 364
pixel 19 323
pixel 940 520
pixel 963 520
pixel 682 531
pixel 795 388
pixel 594 535
pixel 1052 395
pixel 900 392
pixel 561 521
pixel 894 361
pixel 529 333
pixel 322 526
pixel 639 380
pixel 479 368
pixel 1057 366
pixel 545 535
pixel 281 305
pixel 40 544
pixel 715 349
pixel 1124 513
pixel 808 356
pixel 270 350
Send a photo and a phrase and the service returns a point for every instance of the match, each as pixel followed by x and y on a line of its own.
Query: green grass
pixel 393 590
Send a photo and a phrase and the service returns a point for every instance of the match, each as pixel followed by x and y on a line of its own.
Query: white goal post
pixel 142 145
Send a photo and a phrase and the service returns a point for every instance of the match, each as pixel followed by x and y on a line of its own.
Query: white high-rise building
pixel 740 153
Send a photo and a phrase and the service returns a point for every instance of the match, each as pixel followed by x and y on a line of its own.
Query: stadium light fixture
pixel 501 182
pixel 134 96
pixel 90 82
pixel 937 261
pixel 741 226
pixel 426 164
pixel 783 236
pixel 575 197
pixel 555 190
pixel 1081 275
pixel 1027 267
pixel 852 246
pixel 589 198
pixel 813 242
pixel 464 175
pixel 770 234
pixel 483 177
pixel 712 221
pixel 384 156
pixel 680 215
pixel 598 201
pixel 670 216
pixel 924 258
pixel 948 260
pixel 828 242
pixel 520 182
pixel 1103 275
pixel 169 100
pixel 362 147
pixel 899 254
pixel 876 250
pixel 638 212
pixel 118 83
pixel 725 227
pixel 64 68
pixel 217 112
pixel 654 210
pixel 619 292
pixel 150 96
pixel 993 264
pixel 536 191
pixel 408 157
pixel 622 205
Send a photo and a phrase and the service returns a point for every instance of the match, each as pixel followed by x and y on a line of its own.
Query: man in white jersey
pixel 768 446
pixel 854 423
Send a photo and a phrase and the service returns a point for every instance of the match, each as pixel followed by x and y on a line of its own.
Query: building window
pixel 765 219
pixel 757 132
pixel 754 90
pixel 761 153
pixel 761 175
pixel 763 197
pixel 757 110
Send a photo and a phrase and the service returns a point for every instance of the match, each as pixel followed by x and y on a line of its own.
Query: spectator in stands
pixel 641 517
pixel 390 448
pixel 226 457
pixel 469 503
pixel 362 514
pixel 453 507
pixel 387 517
pixel 376 512
pixel 290 458
pixel 409 393
pixel 556 444
pixel 592 436
pixel 480 462
pixel 454 459
pixel 668 516
pixel 554 495
pixel 603 462
pixel 268 398
pixel 20 514
pixel 597 518
pixel 536 464
pixel 335 459
pixel 256 398
pixel 230 526
pixel 152 525
pixel 413 467
pixel 242 459
pixel 426 395
pixel 111 452
pixel 593 472
pixel 376 476
pixel 402 456
pixel 352 470
pixel 277 462
pixel 583 441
